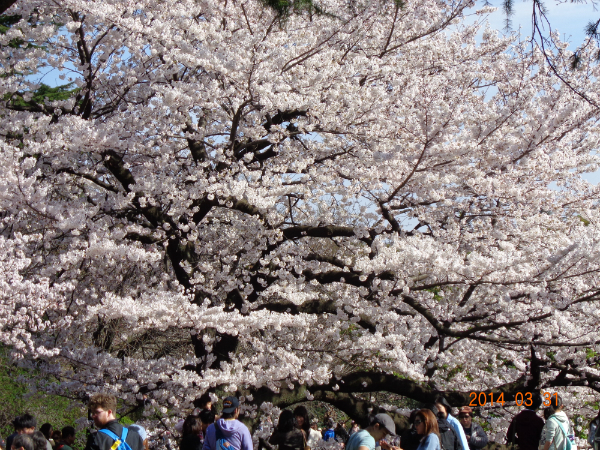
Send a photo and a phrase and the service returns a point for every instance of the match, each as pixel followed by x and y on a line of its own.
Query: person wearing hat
pixel 476 436
pixel 381 426
pixel 228 433
pixel 445 412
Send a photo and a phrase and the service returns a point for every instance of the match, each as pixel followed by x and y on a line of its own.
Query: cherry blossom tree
pixel 360 198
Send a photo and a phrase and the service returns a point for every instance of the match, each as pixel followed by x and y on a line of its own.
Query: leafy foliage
pixel 16 399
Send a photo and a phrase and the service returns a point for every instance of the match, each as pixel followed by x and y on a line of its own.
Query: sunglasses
pixel 464 416
pixel 418 421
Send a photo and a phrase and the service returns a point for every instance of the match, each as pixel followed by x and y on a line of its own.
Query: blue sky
pixel 569 19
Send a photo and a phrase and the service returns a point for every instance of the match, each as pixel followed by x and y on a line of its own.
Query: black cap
pixel 230 404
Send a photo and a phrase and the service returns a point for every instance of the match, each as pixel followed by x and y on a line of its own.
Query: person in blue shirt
pixel 381 426
pixel 445 412
pixel 330 432
pixel 426 426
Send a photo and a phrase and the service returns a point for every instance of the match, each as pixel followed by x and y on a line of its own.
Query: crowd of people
pixel 46 438
pixel 431 428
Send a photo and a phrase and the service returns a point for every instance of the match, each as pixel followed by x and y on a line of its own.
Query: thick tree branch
pixel 5 4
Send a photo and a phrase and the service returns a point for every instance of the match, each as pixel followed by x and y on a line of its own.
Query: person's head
pixel 142 432
pixel 39 440
pixel 56 435
pixel 205 402
pixel 286 421
pixel 191 425
pixel 412 417
pixel 23 442
pixel 548 411
pixel 231 408
pixel 465 415
pixel 302 419
pixel 25 424
pixel 426 423
pixel 443 407
pixel 68 435
pixel 330 423
pixel 207 416
pixel 314 424
pixel 46 430
pixel 536 401
pixel 381 425
pixel 556 402
pixel 103 408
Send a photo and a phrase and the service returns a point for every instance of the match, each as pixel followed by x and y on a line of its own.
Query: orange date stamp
pixel 520 398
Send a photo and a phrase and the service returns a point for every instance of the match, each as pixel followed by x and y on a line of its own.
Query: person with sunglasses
pixel 476 436
pixel 410 440
pixel 427 427
pixel 449 439
pixel 446 411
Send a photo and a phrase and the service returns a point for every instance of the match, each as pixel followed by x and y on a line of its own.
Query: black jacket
pixel 101 441
pixel 290 440
pixel 449 439
pixel 525 430
pixel 410 440
pixel 190 442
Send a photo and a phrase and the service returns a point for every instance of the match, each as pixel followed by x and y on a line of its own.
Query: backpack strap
pixel 109 433
pixel 118 441
pixel 220 439
pixel 560 425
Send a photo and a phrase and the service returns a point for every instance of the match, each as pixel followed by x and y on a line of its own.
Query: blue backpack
pixel 222 443
pixel 120 443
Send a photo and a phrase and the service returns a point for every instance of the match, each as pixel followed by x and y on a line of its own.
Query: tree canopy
pixel 359 198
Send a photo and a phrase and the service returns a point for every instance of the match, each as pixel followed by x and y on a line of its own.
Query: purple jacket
pixel 236 433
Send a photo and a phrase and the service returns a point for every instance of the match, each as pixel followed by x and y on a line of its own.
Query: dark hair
pixel 536 399
pixel 442 401
pixel 286 421
pixel 548 411
pixel 67 432
pixel 230 415
pixel 207 416
pixel 413 415
pixel 203 400
pixel 46 429
pixel 434 409
pixel 39 440
pixel 24 421
pixel 430 421
pixel 23 440
pixel 301 411
pixel 191 425
pixel 556 402
pixel 56 435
